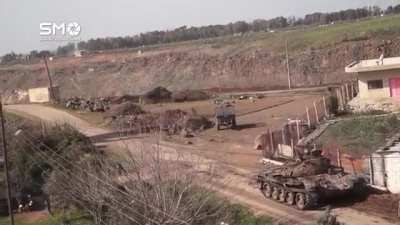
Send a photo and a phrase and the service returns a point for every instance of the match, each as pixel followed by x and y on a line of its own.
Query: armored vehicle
pixel 225 115
pixel 308 182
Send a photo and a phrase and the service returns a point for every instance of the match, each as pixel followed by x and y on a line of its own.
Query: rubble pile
pixel 358 105
pixel 170 122
pixel 91 104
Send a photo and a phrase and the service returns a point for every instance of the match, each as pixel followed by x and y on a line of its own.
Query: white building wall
pixel 39 95
pixel 392 164
pixel 385 171
pixel 378 170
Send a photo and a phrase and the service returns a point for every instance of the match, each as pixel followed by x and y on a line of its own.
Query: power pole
pixel 51 89
pixel 7 175
pixel 288 66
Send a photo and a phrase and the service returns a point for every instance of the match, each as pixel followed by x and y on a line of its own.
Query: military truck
pixel 307 183
pixel 225 115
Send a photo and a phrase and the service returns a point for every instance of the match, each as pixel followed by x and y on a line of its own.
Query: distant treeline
pixel 195 33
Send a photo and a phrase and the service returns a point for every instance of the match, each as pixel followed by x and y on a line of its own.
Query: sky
pixel 20 19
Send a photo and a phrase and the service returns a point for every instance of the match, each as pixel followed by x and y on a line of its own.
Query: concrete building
pixel 377 78
pixel 385 168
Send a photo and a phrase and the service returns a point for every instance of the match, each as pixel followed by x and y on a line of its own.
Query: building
pixel 42 94
pixel 377 78
pixel 384 167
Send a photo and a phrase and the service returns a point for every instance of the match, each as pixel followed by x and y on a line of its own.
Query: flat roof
pixel 373 65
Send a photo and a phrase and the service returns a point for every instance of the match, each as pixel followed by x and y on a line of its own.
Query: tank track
pixel 294 197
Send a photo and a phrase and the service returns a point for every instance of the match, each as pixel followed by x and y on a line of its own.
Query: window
pixel 375 84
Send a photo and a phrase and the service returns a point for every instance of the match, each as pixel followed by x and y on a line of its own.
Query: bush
pixel 361 136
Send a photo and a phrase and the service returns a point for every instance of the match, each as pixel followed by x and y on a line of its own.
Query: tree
pixel 9 58
pixel 65 50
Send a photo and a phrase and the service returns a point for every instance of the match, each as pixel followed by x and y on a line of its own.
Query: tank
pixel 307 183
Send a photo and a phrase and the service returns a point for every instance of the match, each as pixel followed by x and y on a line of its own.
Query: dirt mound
pixel 198 123
pixel 124 98
pixel 125 109
pixel 176 121
pixel 158 94
pixel 189 95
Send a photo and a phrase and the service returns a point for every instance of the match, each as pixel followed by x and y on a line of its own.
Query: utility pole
pixel 288 66
pixel 7 175
pixel 51 89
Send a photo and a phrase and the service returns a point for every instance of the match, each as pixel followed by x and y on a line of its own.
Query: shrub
pixel 189 95
pixel 158 94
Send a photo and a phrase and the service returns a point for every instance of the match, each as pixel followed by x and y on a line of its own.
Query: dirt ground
pixel 31 217
pixel 231 150
pixel 235 147
pixel 385 205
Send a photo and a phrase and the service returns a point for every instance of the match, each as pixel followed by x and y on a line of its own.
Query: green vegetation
pixel 361 136
pixel 299 38
pixel 239 216
pixel 74 218
pixel 316 37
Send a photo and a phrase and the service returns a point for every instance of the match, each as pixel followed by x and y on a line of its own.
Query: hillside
pixel 317 56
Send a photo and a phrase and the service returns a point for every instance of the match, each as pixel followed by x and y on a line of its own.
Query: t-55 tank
pixel 308 182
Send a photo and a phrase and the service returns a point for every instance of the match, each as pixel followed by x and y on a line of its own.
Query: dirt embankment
pixel 183 68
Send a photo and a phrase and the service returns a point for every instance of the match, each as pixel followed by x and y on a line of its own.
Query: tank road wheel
pixel 305 201
pixel 282 195
pixel 267 191
pixel 275 193
pixel 290 198
pixel 301 201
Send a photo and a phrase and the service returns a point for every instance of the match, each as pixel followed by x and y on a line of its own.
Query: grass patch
pixel 361 136
pixel 93 118
pixel 299 38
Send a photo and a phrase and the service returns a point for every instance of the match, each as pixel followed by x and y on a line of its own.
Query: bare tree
pixel 148 186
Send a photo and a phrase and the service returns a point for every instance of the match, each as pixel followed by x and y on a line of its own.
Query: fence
pixel 345 93
pixel 284 141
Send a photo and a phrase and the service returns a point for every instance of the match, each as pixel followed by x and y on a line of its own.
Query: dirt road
pixel 234 182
